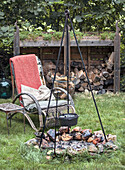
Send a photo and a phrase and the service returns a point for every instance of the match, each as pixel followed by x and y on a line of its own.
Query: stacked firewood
pixel 100 76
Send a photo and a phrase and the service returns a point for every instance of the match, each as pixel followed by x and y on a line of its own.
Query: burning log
pixel 64 129
pixel 77 129
pixel 66 137
pixel 78 136
pixel 95 141
pixel 90 139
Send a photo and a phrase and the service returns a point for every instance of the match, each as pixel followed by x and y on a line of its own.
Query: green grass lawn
pixel 15 155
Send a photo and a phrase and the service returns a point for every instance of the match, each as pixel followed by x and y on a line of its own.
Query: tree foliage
pixel 87 15
pixel 48 15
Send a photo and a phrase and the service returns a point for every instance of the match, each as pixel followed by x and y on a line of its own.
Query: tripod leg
pixel 67 63
pixel 53 84
pixel 88 80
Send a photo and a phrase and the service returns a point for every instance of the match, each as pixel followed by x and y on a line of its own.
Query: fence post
pixel 117 60
pixel 16 43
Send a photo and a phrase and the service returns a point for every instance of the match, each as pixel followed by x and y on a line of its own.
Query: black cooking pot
pixel 68 119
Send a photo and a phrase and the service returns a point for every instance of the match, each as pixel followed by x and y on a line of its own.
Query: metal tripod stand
pixel 67 73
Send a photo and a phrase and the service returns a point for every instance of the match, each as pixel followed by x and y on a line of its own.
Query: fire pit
pixel 75 141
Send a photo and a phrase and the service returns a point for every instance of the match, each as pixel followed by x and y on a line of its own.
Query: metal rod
pixel 56 123
pixel 67 58
pixel 53 84
pixel 88 80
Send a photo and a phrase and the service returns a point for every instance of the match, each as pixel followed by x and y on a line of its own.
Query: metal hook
pixel 67 13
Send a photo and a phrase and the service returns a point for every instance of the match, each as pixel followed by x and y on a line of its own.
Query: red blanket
pixel 26 71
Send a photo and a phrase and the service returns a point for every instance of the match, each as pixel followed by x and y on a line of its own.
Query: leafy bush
pixel 47 37
pixel 33 33
pixel 107 35
pixel 24 35
pixel 57 35
pixel 6 48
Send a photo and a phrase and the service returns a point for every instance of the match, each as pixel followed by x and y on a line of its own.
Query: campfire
pixel 74 141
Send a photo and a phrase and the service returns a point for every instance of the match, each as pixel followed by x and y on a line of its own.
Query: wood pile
pixel 100 76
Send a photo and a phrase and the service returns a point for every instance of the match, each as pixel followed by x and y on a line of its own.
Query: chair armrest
pixel 64 91
pixel 33 98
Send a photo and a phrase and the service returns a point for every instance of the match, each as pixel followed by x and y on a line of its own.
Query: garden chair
pixel 28 80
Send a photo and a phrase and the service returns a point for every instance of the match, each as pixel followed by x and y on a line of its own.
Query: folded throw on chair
pixel 26 71
pixel 41 94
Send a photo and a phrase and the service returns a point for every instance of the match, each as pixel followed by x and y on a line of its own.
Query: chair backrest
pixel 24 70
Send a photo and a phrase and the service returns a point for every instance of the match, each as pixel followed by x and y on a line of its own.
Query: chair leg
pixel 10 120
pixel 30 121
pixel 7 124
pixel 24 122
